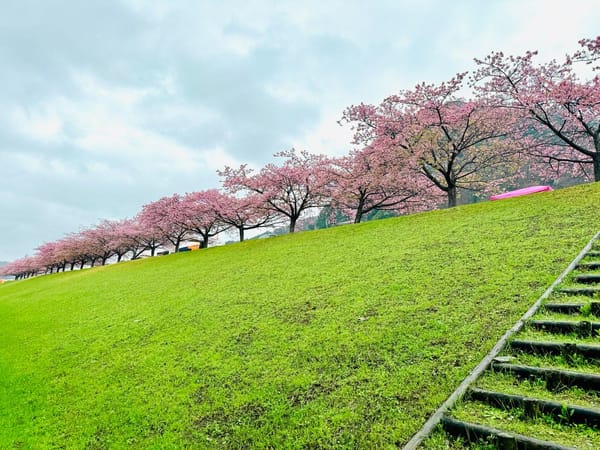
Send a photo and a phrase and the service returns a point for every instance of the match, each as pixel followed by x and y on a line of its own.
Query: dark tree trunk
pixel 359 210
pixel 72 266
pixel 596 159
pixel 451 196
pixel 82 264
pixel 152 251
pixel 293 224
pixel 241 229
pixel 358 215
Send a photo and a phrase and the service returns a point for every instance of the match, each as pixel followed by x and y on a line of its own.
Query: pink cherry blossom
pixel 289 189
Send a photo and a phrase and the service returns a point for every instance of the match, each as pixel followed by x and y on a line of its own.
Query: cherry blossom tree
pixel 559 111
pixel 143 237
pixel 99 241
pixel 67 253
pixel 120 240
pixel 48 256
pixel 289 189
pixel 456 143
pixel 136 239
pixel 166 218
pixel 375 179
pixel 201 214
pixel 76 247
pixel 25 267
pixel 247 212
pixel 589 53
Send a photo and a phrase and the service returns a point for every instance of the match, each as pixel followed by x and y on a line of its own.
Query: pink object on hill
pixel 519 192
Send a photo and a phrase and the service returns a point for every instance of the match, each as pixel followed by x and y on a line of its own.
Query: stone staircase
pixel 542 390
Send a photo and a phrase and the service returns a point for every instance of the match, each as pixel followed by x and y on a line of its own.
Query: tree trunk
pixel 82 264
pixel 152 251
pixel 119 256
pixel 72 266
pixel 596 159
pixel 359 211
pixel 241 229
pixel 293 224
pixel 451 196
pixel 358 217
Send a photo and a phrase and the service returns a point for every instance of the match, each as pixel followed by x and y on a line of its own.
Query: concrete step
pixel 582 328
pixel 555 378
pixel 502 439
pixel 564 308
pixel 587 278
pixel 533 407
pixel 556 348
pixel 572 308
pixel 591 265
pixel 585 291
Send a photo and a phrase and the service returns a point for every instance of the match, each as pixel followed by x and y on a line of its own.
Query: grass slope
pixel 348 337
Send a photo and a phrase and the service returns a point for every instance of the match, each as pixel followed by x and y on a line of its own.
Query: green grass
pixel 342 338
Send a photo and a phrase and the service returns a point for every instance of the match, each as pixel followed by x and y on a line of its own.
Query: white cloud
pixel 217 158
pixel 43 124
pixel 328 137
pixel 135 146
pixel 552 26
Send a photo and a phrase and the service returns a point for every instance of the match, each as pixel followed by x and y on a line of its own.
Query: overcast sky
pixel 106 105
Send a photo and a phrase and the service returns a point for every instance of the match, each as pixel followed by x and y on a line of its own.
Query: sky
pixel 106 105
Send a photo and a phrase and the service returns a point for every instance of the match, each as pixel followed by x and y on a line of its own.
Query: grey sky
pixel 107 105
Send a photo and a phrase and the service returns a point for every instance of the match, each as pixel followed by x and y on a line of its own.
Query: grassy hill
pixel 346 337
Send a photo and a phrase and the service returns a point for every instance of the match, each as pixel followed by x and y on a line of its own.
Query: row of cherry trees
pixel 413 149
pixel 522 115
